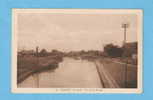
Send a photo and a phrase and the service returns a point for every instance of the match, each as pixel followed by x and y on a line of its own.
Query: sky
pixel 73 32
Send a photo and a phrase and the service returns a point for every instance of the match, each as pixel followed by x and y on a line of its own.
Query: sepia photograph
pixel 77 50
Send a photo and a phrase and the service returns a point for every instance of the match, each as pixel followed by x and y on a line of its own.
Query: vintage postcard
pixel 77 50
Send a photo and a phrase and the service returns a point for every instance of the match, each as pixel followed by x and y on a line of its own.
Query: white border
pixel 15 12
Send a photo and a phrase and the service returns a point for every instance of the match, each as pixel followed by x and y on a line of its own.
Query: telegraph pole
pixel 37 51
pixel 125 26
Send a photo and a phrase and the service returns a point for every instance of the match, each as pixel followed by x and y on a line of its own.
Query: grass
pixel 27 65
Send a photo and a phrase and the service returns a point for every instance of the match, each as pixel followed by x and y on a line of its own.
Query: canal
pixel 71 73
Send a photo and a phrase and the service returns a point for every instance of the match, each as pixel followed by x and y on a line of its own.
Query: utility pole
pixel 125 26
pixel 37 51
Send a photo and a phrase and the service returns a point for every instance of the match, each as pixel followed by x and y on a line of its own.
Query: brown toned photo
pixel 77 51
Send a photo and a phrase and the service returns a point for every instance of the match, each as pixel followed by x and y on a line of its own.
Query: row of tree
pixel 127 50
pixel 111 50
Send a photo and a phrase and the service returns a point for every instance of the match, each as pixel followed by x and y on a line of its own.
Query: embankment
pixel 116 74
pixel 29 65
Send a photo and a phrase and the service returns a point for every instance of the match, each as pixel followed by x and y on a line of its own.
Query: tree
pixel 130 49
pixel 43 52
pixel 113 50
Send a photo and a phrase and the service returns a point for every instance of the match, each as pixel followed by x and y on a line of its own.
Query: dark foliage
pixel 113 50
pixel 43 52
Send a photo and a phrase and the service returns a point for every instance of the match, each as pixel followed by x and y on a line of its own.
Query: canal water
pixel 71 73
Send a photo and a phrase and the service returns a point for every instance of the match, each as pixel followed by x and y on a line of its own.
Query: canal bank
pixel 29 65
pixel 105 77
pixel 116 75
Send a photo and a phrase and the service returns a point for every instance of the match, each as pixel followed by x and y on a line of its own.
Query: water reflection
pixel 71 73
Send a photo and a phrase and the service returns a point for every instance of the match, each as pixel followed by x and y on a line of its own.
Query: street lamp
pixel 125 26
